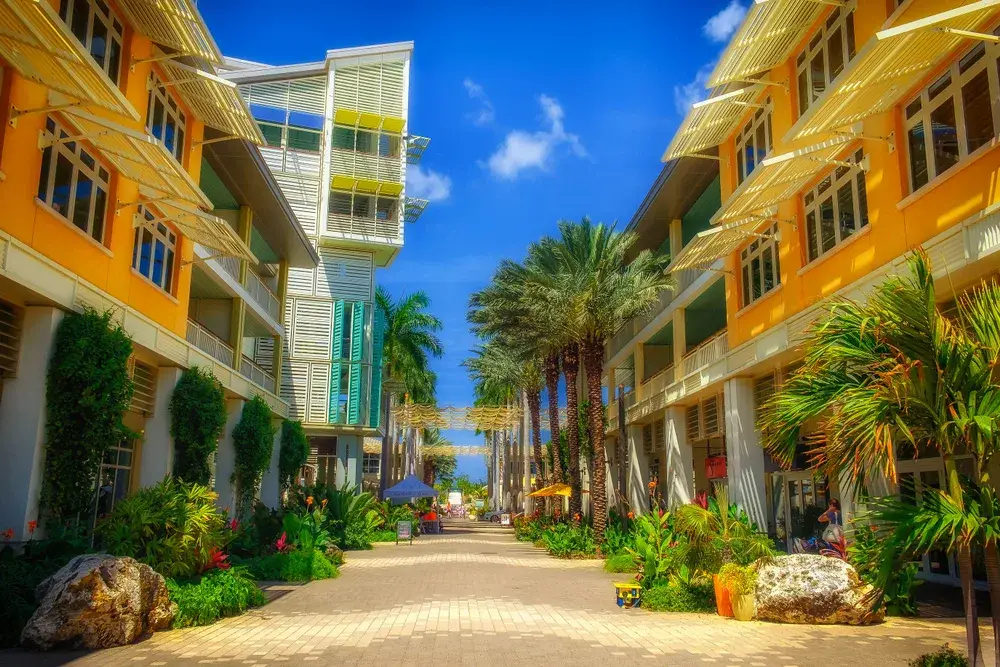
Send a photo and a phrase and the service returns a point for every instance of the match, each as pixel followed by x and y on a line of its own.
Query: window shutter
pixel 659 435
pixel 692 423
pixel 378 341
pixel 295 387
pixel 357 340
pixel 313 330
pixel 338 330
pixel 144 384
pixel 300 281
pixel 763 389
pixel 710 417
pixel 647 439
pixel 264 353
pixel 334 401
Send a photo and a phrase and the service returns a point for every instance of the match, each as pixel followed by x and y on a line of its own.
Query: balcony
pixel 230 265
pixel 630 400
pixel 657 382
pixel 705 354
pixel 256 374
pixel 209 343
pixel 365 165
pixel 262 295
pixel 624 336
pixel 385 228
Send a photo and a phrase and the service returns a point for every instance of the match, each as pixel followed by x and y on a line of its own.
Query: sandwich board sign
pixel 505 519
pixel 404 531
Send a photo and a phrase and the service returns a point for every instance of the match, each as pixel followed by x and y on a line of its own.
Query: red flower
pixel 32 525
pixel 8 535
pixel 217 560
pixel 631 515
pixel 282 544
pixel 234 524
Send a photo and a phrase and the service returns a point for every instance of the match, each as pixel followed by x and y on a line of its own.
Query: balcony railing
pixel 262 295
pixel 709 352
pixel 657 382
pixel 624 336
pixel 209 343
pixel 256 374
pixel 364 165
pixel 230 265
pixel 339 223
pixel 630 399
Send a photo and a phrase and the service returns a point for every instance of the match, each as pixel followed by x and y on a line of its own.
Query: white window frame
pixel 758 125
pixel 814 199
pixel 771 238
pixel 383 144
pixel 120 457
pixel 160 235
pixel 171 110
pixel 842 19
pixel 99 12
pixel 77 155
pixel 370 464
pixel 391 215
pixel 918 110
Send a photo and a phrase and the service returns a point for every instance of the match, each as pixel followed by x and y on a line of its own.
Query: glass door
pixel 799 500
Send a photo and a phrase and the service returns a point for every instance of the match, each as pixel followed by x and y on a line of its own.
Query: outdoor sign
pixel 480 504
pixel 454 498
pixel 404 531
pixel 505 519
pixel 715 467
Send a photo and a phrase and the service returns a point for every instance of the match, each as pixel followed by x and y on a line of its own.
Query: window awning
pixel 892 63
pixel 369 121
pixel 713 244
pixel 204 228
pixel 780 177
pixel 173 23
pixel 708 123
pixel 139 157
pixel 366 186
pixel 36 42
pixel 414 208
pixel 769 32
pixel 215 101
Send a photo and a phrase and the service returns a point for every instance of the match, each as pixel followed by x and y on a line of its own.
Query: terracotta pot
pixel 722 601
pixel 744 607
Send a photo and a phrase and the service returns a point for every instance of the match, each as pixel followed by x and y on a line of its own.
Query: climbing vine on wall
pixel 87 391
pixel 294 452
pixel 197 417
pixel 253 441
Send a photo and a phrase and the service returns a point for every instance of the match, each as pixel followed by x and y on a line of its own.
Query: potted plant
pixel 740 582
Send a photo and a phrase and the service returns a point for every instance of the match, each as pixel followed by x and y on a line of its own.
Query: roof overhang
pixel 710 122
pixel 770 31
pixel 780 177
pixel 718 242
pixel 892 63
pixel 370 50
pixel 279 72
pixel 242 169
pixel 176 24
pixel 36 42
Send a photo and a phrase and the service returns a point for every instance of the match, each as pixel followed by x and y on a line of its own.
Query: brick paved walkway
pixel 475 597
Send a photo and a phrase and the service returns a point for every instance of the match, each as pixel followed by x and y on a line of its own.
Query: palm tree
pixel 437 466
pixel 896 369
pixel 410 340
pixel 600 291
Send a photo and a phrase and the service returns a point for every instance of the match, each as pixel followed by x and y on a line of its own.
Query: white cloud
pixel 522 150
pixel 690 93
pixel 484 115
pixel 721 27
pixel 429 184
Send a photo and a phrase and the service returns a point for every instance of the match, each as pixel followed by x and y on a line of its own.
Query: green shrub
pixel 87 391
pixel 218 594
pixel 293 454
pixel 739 579
pixel 384 535
pixel 865 554
pixel 298 566
pixel 173 527
pixel 197 417
pixel 945 657
pixel 616 540
pixel 256 536
pixel 253 442
pixel 567 541
pixel 655 552
pixel 351 517
pixel 680 596
pixel 620 563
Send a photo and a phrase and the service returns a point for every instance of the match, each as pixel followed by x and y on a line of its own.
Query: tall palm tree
pixel 896 369
pixel 600 291
pixel 437 466
pixel 410 340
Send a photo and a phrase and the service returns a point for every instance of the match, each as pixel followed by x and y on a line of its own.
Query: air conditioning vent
pixel 10 339
pixel 144 387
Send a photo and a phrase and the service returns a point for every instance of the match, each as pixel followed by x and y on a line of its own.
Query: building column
pixel 22 421
pixel 270 487
pixel 744 456
pixel 278 349
pixel 678 486
pixel 680 342
pixel 349 452
pixel 156 457
pixel 225 462
pixel 639 362
pixel 676 238
pixel 637 481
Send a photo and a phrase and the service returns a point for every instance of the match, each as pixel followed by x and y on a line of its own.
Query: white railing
pixel 339 223
pixel 657 382
pixel 261 294
pixel 208 342
pixel 256 374
pixel 230 265
pixel 707 353
pixel 364 165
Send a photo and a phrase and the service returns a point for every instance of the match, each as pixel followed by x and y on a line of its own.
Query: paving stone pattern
pixel 476 597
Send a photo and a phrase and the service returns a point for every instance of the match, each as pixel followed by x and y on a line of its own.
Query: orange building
pixel 130 181
pixel 844 136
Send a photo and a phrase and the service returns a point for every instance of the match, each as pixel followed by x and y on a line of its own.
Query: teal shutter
pixel 378 340
pixel 338 328
pixel 357 346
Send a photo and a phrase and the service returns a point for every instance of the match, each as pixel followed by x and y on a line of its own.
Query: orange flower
pixel 8 535
pixel 32 525
pixel 309 501
pixel 325 501
pixel 631 515
pixel 576 517
pixel 652 484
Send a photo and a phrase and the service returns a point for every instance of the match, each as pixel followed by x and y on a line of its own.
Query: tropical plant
pixel 306 527
pixel 438 467
pixel 87 391
pixel 410 340
pixel 680 596
pixel 293 454
pixel 351 517
pixel 565 540
pixel 946 656
pixel 620 563
pixel 866 553
pixel 197 417
pixel 656 554
pixel 738 579
pixel 172 526
pixel 253 443
pixel 893 370
pixel 215 595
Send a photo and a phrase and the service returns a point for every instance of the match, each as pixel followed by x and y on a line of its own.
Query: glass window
pixel 759 268
pixel 99 31
pixel 164 119
pixel 945 137
pixel 754 142
pixel 272 133
pixel 154 249
pixel 346 329
pixel 77 188
pixel 825 56
pixel 836 208
pixel 304 140
pixel 978 112
pixel 115 476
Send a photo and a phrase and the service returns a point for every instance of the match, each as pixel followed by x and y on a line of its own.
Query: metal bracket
pixel 153 59
pixel 889 139
pixel 982 36
pixel 119 204
pixel 16 113
pixel 756 82
pixel 44 142
pixel 205 142
pixel 752 105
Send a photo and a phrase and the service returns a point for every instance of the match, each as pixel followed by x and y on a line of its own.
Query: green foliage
pixel 655 554
pixel 620 563
pixel 866 553
pixel 720 533
pixel 197 417
pixel 383 535
pixel 471 490
pixel 351 517
pixel 217 594
pixel 945 657
pixel 257 535
pixel 87 392
pixel 298 566
pixel 173 527
pixel 410 340
pixel 565 540
pixel 616 540
pixel 294 452
pixel 677 595
pixel 739 579
pixel 305 528
pixel 253 442
pixel 531 528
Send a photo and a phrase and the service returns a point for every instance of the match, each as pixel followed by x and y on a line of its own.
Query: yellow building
pixel 844 135
pixel 130 180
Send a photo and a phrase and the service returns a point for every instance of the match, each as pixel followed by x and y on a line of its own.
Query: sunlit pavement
pixel 475 596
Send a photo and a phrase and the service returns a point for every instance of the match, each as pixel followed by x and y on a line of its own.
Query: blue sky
pixel 536 112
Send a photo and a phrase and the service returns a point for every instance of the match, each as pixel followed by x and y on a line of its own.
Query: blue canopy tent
pixel 411 487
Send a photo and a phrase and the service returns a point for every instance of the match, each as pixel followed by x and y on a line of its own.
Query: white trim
pixel 813 201
pixel 809 53
pixel 755 251
pixel 760 120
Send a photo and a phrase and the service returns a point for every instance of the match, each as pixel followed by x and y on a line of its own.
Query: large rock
pixel 97 601
pixel 805 588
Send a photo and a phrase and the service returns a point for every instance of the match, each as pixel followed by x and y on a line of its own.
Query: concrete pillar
pixel 638 472
pixel 680 342
pixel 22 422
pixel 270 487
pixel 676 238
pixel 744 456
pixel 156 458
pixel 277 352
pixel 225 461
pixel 639 357
pixel 677 486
